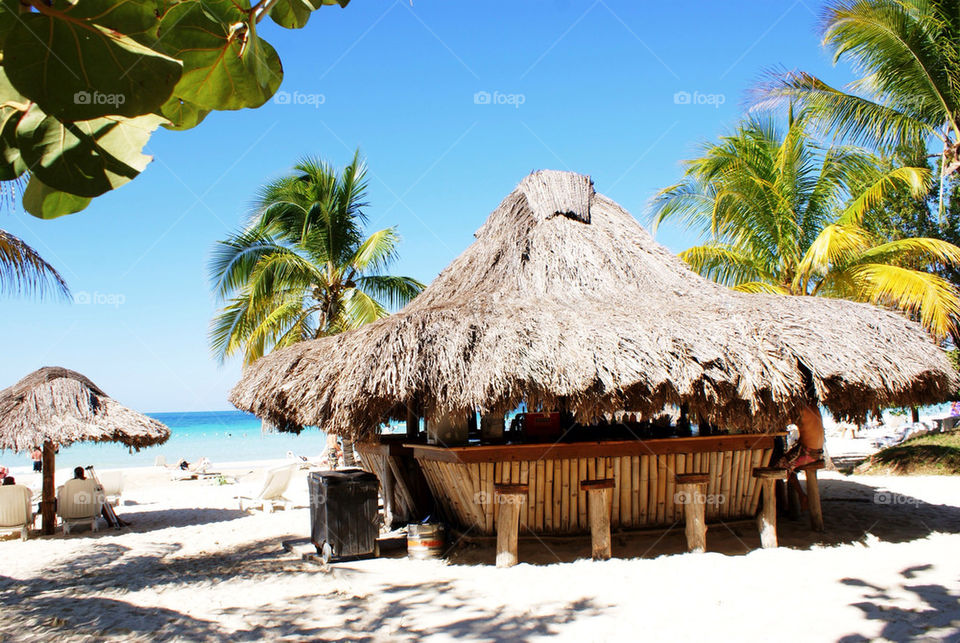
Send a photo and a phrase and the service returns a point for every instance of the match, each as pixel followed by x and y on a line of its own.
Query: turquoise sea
pixel 221 436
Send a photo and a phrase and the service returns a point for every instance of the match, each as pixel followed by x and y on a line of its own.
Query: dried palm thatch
pixel 564 301
pixel 61 406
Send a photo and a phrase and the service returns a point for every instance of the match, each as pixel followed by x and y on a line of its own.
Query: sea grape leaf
pixel 294 14
pixel 182 114
pixel 43 202
pixel 225 64
pixel 9 14
pixel 12 107
pixel 75 70
pixel 129 17
pixel 85 158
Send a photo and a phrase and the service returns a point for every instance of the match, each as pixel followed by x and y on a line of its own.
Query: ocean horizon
pixel 220 436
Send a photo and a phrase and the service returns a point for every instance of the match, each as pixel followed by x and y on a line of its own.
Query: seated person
pixel 809 447
pixel 78 474
pixel 8 481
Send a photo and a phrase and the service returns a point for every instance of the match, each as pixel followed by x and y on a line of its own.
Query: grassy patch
pixel 937 454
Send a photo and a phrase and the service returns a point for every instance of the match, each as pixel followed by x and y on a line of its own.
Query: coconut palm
pixel 908 55
pixel 779 214
pixel 303 268
pixel 22 270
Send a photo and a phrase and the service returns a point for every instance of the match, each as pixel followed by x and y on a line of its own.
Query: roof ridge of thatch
pixel 565 300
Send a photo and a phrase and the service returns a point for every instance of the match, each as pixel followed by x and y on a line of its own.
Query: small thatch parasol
pixel 54 407
pixel 564 301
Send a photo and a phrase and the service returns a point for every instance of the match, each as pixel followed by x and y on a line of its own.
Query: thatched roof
pixel 63 406
pixel 565 301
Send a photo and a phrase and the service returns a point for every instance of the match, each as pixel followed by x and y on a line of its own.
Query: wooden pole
pixel 388 492
pixel 509 499
pixel 413 421
pixel 813 496
pixel 767 518
pixel 691 493
pixel 48 502
pixel 600 496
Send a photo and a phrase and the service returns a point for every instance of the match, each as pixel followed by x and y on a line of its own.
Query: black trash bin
pixel 343 514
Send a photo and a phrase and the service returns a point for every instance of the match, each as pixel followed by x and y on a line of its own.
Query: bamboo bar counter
pixel 462 479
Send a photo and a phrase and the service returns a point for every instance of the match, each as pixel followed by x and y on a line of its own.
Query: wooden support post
pixel 767 518
pixel 509 499
pixel 813 495
pixel 413 421
pixel 388 485
pixel 599 498
pixel 48 502
pixel 692 493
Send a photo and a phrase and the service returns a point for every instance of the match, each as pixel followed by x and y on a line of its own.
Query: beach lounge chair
pixel 199 469
pixel 16 509
pixel 79 502
pixel 274 486
pixel 112 484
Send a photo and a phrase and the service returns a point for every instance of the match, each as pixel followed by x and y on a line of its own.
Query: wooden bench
pixel 599 499
pixel 509 499
pixel 767 518
pixel 691 493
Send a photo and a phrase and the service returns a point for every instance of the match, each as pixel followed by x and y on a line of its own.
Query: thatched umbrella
pixel 54 407
pixel 564 301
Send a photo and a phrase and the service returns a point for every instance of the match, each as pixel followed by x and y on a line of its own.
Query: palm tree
pixel 907 53
pixel 23 272
pixel 302 267
pixel 781 215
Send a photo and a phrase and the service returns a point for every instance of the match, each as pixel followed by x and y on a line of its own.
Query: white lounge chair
pixel 274 486
pixel 199 469
pixel 112 484
pixel 79 502
pixel 16 509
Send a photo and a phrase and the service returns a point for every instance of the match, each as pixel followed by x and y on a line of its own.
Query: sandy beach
pixel 191 566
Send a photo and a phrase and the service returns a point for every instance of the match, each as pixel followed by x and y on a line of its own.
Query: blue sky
pixel 585 86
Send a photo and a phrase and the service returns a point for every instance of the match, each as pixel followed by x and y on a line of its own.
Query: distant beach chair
pixel 274 486
pixel 79 502
pixel 304 462
pixel 112 483
pixel 199 469
pixel 16 509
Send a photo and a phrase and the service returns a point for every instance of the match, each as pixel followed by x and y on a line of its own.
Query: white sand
pixel 193 567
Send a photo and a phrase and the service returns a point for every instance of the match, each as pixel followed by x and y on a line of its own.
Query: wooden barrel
pixel 425 541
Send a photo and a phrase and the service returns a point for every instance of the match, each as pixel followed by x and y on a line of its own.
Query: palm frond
pixel 24 272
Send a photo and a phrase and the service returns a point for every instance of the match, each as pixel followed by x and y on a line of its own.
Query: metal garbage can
pixel 343 514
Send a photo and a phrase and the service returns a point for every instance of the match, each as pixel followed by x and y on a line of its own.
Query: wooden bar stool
pixel 813 494
pixel 767 518
pixel 691 492
pixel 599 499
pixel 509 499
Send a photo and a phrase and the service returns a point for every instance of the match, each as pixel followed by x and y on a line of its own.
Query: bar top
pixel 562 450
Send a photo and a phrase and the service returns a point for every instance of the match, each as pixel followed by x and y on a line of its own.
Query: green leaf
pixel 129 17
pixel 225 64
pixel 12 108
pixel 86 158
pixel 44 202
pixel 76 70
pixel 294 14
pixel 9 15
pixel 182 114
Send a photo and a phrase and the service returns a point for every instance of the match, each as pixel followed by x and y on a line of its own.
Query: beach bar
pixel 639 383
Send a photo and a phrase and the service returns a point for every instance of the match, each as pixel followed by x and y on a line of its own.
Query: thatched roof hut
pixel 58 405
pixel 564 301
